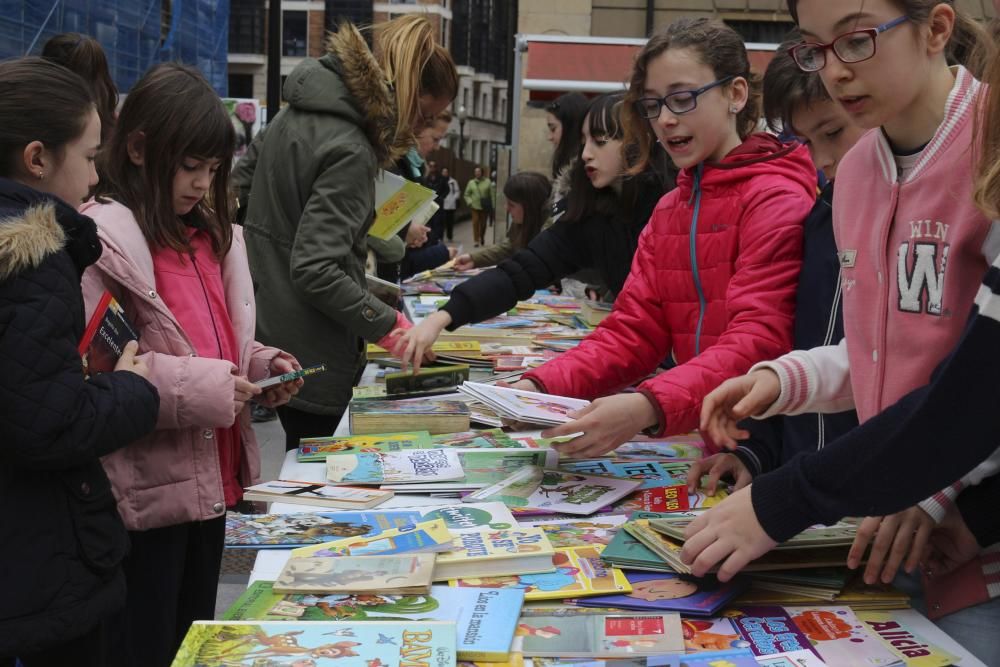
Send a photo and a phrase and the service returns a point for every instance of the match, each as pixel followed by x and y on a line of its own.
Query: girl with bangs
pixel 607 211
pixel 178 266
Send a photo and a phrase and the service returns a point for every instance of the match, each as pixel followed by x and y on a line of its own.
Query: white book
pixel 413 465
pixel 322 495
pixel 525 406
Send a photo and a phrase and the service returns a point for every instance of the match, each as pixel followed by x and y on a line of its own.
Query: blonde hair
pixel 414 65
pixel 987 185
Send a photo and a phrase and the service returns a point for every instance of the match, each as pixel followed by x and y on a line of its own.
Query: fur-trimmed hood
pixel 34 225
pixel 349 82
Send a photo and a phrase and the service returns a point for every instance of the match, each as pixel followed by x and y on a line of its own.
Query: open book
pixel 399 201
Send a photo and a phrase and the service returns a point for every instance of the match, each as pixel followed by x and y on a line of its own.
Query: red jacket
pixel 717 301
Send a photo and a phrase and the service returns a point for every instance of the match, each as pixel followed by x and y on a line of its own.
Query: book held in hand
pixel 436 417
pixel 322 495
pixel 398 575
pixel 104 339
pixel 399 201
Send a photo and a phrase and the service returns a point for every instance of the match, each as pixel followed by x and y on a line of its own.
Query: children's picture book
pixel 840 534
pixel 276 531
pixel 104 339
pixel 408 466
pixel 398 575
pixel 579 572
pixel 840 638
pixel 524 406
pixel 485 620
pixel 763 630
pixel 669 591
pixel 317 449
pixel 321 495
pixel 483 467
pixel 679 448
pixel 426 536
pixel 651 474
pixel 397 202
pixel 556 491
pixel 291 375
pixel 493 438
pixel 426 379
pixel 493 553
pixel 579 532
pixel 441 346
pixel 906 644
pixel 601 635
pixel 322 644
pixel 376 416
pixel 388 293
pixel 675 498
pixel 594 312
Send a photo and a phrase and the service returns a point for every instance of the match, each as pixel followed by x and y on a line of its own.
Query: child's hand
pixel 605 424
pixel 416 236
pixel 243 390
pixel 414 345
pixel 903 533
pixel 280 394
pixel 735 400
pixel 464 262
pixel 718 466
pixel 128 362
pixel 952 545
pixel 728 533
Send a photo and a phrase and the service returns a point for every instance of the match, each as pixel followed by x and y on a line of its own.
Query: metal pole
pixel 650 14
pixel 273 59
pixel 461 138
pixel 520 46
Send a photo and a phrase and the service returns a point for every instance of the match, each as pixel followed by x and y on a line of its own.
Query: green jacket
pixel 475 192
pixel 312 201
pixel 494 254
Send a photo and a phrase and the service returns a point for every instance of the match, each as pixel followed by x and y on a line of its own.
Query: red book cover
pixel 107 333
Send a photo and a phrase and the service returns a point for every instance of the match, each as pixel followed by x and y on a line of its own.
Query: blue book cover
pixel 323 644
pixel 667 591
pixel 652 473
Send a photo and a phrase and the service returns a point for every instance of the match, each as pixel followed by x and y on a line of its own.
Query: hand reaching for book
pixel 604 425
pixel 464 262
pixel 128 362
pixel 716 467
pixel 728 533
pixel 898 536
pixel 414 344
pixel 735 400
pixel 282 393
pixel 952 545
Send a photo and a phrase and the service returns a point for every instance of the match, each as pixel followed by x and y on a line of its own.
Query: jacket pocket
pixel 102 540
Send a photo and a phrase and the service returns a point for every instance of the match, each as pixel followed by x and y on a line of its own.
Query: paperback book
pixel 670 499
pixel 601 635
pixel 555 490
pixel 579 532
pixel 680 448
pixel 376 416
pixel 904 643
pixel 840 638
pixel 841 534
pixel 493 553
pixel 650 474
pixel 323 644
pixel 399 201
pixel 426 379
pixel 321 495
pixel 405 467
pixel 493 438
pixel 317 449
pixel 104 339
pixel 483 467
pixel 524 406
pixel 766 631
pixel 485 620
pixel 669 591
pixel 397 575
pixel 426 537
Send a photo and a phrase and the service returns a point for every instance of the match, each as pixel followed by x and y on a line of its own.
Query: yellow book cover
pixel 496 552
pixel 910 647
pixel 579 572
pixel 450 346
pixel 424 536
pixel 397 201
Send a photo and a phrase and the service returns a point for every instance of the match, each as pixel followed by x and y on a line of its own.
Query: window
pixel 767 32
pixel 241 85
pixel 294 33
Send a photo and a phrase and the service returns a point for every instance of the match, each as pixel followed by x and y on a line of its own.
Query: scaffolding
pixel 134 33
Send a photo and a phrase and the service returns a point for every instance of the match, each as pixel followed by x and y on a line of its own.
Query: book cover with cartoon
pixel 317 449
pixel 579 572
pixel 650 474
pixel 668 591
pixel 426 536
pixel 417 465
pixel 840 638
pixel 329 644
pixel 493 438
pixel 674 498
pixel 677 448
pixel 374 407
pixel 409 573
pixel 601 635
pixel 579 532
pixel 556 491
pixel 485 619
pixel 496 552
pixel 906 644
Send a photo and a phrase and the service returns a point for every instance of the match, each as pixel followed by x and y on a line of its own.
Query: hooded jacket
pixel 63 540
pixel 311 204
pixel 712 284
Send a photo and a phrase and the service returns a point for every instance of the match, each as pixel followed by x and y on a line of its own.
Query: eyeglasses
pixel 680 102
pixel 851 47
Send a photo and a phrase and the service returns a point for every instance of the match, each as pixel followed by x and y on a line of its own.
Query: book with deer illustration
pixel 317 644
pixel 492 553
pixel 317 449
pixel 556 491
pixel 485 619
pixel 601 635
pixel 323 495
pixel 650 474
pixel 579 532
pixel 104 339
pixel 399 575
pixel 481 468
pixel 275 531
pixel 579 572
pixel 435 416
pixel 426 536
pixel 405 467
pixel 669 591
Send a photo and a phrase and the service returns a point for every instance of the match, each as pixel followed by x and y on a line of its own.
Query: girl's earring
pixel 41 175
pixel 733 108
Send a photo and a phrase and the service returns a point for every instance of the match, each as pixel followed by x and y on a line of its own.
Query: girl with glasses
pixel 713 280
pixel 913 248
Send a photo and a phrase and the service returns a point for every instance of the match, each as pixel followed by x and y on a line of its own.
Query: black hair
pixel 569 110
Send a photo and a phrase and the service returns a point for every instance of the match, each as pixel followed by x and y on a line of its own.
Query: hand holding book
pixel 274 396
pixel 128 362
pixel 604 425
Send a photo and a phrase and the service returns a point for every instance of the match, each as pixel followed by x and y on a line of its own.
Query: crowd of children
pixel 807 302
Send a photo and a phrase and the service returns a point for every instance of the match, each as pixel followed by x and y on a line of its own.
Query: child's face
pixel 889 84
pixel 74 175
pixel 829 132
pixel 554 127
pixel 516 212
pixel 192 181
pixel 709 131
pixel 602 157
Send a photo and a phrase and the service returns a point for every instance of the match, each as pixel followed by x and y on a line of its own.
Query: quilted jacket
pixel 712 284
pixel 62 538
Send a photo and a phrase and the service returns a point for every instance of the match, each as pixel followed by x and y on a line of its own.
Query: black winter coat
pixel 62 539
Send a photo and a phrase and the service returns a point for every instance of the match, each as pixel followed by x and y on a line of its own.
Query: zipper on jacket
pixel 208 302
pixel 693 246
pixel 831 324
pixel 882 267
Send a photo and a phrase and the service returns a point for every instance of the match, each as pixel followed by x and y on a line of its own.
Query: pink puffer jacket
pixel 172 476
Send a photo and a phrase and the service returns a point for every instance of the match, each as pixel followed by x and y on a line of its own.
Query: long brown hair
pixel 532 191
pixel 180 116
pixel 84 56
pixel 970 44
pixel 39 101
pixel 987 186
pixel 717 46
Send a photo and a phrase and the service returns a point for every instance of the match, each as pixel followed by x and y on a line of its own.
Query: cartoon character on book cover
pixel 579 533
pixel 301 528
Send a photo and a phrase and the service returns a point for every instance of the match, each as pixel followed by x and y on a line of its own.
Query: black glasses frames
pixel 679 102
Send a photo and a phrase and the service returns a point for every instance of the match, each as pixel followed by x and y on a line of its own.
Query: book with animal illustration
pixel 409 466
pixel 556 491
pixel 579 532
pixel 669 591
pixel 481 468
pixel 104 339
pixel 399 575
pixel 322 644
pixel 678 448
pixel 317 449
pixel 650 474
pixel 426 536
pixel 485 619
pixel 377 416
pixel 397 202
pixel 579 572
pixel 601 635
pixel 491 553
pixel 322 495
pixel 275 531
